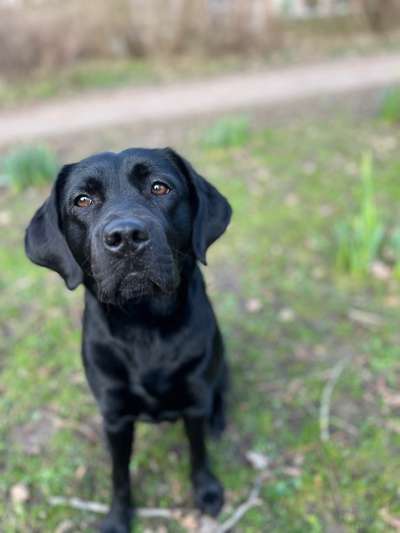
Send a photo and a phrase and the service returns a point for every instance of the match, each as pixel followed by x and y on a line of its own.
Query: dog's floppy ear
pixel 45 244
pixel 213 212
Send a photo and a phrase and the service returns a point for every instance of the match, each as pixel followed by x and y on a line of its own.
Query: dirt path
pixel 238 91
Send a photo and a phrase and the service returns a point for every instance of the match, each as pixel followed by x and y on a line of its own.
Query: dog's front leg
pixel 208 491
pixel 119 439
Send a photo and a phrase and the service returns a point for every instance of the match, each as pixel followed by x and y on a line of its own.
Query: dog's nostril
pixel 139 235
pixel 113 239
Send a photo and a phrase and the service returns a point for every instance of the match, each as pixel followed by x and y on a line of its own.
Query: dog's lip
pixel 136 275
pixel 133 274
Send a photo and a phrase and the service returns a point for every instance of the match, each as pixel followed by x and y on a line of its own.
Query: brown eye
pixel 159 189
pixel 83 201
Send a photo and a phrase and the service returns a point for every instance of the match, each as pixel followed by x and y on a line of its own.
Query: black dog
pixel 130 227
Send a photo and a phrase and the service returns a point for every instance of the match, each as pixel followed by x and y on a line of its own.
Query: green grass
pixel 390 107
pixel 29 166
pixel 286 313
pixel 227 132
pixel 76 78
pixel 359 239
pixel 109 74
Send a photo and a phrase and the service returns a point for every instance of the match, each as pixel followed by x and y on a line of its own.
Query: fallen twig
pixel 101 508
pixel 252 501
pixel 175 514
pixel 325 407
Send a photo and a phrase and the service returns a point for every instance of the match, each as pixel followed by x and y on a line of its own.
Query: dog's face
pixel 126 222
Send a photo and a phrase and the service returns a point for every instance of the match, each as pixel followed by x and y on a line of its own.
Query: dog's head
pixel 126 222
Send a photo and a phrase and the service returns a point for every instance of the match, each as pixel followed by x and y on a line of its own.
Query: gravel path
pixel 138 105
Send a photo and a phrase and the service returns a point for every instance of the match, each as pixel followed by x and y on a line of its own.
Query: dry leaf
pixel 292 471
pixel 258 460
pixel 364 318
pixel 253 305
pixel 189 522
pixel 392 301
pixel 393 425
pixel 80 472
pixel 19 493
pixel 380 270
pixel 64 526
pixel 286 315
pixel 291 200
pixel 389 519
pixel 5 218
pixel 389 397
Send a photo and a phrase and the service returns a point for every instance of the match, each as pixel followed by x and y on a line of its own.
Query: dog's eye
pixel 83 200
pixel 159 188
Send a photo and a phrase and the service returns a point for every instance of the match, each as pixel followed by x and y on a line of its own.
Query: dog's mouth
pixel 153 272
pixel 118 288
pixel 136 284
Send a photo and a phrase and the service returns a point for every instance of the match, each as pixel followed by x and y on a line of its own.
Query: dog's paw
pixel 208 493
pixel 116 522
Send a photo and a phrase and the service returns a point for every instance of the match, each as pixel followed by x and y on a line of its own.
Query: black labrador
pixel 131 227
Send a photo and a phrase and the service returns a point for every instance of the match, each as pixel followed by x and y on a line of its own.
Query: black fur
pixel 151 345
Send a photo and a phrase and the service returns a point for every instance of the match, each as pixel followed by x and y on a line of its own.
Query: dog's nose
pixel 125 235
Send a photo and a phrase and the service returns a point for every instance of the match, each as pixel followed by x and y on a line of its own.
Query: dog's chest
pixel 163 379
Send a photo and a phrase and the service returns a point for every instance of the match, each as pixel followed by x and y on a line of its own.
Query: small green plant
pixel 228 131
pixel 393 246
pixel 360 238
pixel 29 166
pixel 390 108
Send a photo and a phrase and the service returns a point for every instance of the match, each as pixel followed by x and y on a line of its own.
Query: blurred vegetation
pixel 359 239
pixel 29 165
pixel 82 76
pixel 111 73
pixel 390 107
pixel 289 317
pixel 131 41
pixel 394 248
pixel 228 131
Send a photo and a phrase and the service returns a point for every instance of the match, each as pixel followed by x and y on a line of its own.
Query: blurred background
pixel 292 109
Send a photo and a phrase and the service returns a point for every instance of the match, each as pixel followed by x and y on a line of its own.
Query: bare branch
pixel 101 508
pixel 253 500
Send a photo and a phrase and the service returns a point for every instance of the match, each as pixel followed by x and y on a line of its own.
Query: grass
pixel 227 132
pixel 288 318
pixel 108 74
pixel 76 78
pixel 394 246
pixel 29 166
pixel 390 107
pixel 363 241
pixel 361 237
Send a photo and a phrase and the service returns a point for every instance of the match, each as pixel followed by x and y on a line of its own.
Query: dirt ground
pixel 150 105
